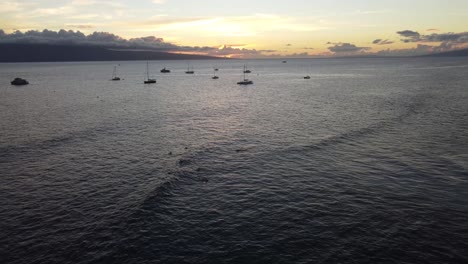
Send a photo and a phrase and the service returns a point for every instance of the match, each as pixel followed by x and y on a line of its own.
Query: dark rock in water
pixel 19 81
pixel 204 179
pixel 170 153
pixel 199 169
pixel 184 162
pixel 241 150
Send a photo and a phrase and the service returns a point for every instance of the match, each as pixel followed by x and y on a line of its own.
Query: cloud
pixel 420 49
pixel 228 26
pixel 71 37
pixel 370 12
pixel 432 29
pixel 159 1
pixel 445 37
pixel 94 3
pixel 447 41
pixel 226 51
pixel 412 36
pixel 9 6
pixel 408 33
pixel 55 11
pixel 346 48
pixel 425 44
pixel 83 2
pixel 162 21
pixel 80 26
pixel 382 42
pixel 298 55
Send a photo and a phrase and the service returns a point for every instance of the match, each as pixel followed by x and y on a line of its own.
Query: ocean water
pixel 366 162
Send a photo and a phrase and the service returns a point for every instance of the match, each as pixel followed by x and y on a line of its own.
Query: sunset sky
pixel 256 29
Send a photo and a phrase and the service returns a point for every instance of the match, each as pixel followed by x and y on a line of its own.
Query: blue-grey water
pixel 366 162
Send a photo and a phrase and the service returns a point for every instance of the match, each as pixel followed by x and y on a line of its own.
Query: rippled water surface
pixel 366 162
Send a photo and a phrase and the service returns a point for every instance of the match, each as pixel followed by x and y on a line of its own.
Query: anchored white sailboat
pixel 214 74
pixel 189 69
pixel 307 76
pixel 114 75
pixel 148 79
pixel 245 81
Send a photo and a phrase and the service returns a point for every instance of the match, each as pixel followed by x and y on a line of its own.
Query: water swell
pixel 415 106
pixel 45 147
pixel 186 170
pixel 224 156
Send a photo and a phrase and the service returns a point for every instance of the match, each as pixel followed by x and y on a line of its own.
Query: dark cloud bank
pixel 444 42
pixel 426 44
pixel 71 37
pixel 109 40
pixel 382 42
pixel 450 37
pixel 346 48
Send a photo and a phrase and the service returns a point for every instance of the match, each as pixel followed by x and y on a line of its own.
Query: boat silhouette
pixel 245 81
pixel 19 81
pixel 148 79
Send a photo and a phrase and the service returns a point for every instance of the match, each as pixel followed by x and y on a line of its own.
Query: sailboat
pixel 246 70
pixel 214 74
pixel 245 81
pixel 307 76
pixel 148 80
pixel 189 71
pixel 164 70
pixel 114 75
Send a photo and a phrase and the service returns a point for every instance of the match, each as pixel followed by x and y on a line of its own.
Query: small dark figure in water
pixel 184 162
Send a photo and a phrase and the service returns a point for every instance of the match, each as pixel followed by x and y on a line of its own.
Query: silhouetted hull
pixel 245 82
pixel 19 81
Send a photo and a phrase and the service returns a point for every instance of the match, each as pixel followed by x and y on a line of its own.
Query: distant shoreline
pixel 14 53
pixel 71 53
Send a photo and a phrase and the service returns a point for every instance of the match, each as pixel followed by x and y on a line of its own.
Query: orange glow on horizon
pixel 202 54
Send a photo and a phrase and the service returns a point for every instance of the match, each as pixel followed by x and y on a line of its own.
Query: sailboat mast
pixel 147 71
pixel 244 71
